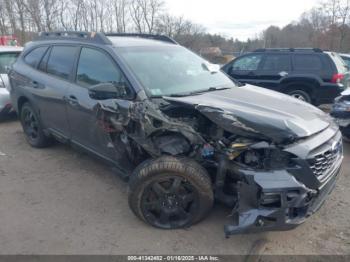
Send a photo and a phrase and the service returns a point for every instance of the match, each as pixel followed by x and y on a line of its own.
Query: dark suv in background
pixel 180 130
pixel 311 75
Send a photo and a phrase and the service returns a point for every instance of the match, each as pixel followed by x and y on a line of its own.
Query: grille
pixel 322 163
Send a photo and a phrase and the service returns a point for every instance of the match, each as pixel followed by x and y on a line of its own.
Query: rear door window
pixel 33 57
pixel 43 63
pixel 307 62
pixel 247 63
pixel 61 61
pixel 276 63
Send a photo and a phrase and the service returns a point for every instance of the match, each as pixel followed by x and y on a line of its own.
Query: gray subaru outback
pixel 178 129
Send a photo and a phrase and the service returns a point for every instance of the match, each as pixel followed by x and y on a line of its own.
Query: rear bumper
pixel 326 93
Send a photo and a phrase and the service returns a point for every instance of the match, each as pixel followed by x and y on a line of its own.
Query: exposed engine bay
pixel 263 173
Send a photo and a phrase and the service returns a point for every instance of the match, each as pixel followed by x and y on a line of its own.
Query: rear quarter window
pixel 33 57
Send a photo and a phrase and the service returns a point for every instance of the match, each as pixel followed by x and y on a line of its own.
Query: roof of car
pixel 11 49
pixel 288 50
pixel 116 39
pixel 135 41
pixel 346 55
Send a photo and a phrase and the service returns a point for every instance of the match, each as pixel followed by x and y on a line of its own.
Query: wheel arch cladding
pixel 21 101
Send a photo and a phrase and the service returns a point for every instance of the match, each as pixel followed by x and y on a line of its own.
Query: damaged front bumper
pixel 283 199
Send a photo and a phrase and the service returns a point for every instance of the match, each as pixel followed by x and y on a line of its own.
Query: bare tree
pixel 3 27
pixel 20 10
pixel 344 16
pixel 150 10
pixel 11 15
pixel 121 8
pixel 33 8
pixel 136 15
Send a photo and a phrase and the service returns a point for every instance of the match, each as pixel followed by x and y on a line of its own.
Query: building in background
pixel 8 40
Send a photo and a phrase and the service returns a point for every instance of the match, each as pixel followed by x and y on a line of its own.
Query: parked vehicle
pixel 310 75
pixel 341 113
pixel 193 135
pixel 8 55
pixel 346 58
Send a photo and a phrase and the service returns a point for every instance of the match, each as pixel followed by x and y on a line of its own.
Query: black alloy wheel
pixel 169 202
pixel 170 192
pixel 32 127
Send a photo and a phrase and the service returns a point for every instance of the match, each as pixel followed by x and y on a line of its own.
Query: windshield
pixel 171 70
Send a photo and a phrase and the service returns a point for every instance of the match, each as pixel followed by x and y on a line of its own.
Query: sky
pixel 240 19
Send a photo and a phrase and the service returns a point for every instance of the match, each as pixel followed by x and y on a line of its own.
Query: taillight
pixel 337 78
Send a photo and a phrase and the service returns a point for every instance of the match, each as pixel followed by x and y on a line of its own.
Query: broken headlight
pixel 265 159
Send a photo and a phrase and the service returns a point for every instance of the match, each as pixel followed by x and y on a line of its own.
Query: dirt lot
pixel 60 201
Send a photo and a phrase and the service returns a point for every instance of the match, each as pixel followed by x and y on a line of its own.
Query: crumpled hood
pixel 258 112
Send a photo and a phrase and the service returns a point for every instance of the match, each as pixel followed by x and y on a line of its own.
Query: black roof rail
pixel 163 38
pixel 316 50
pixel 94 37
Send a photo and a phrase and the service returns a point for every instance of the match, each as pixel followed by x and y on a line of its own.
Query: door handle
pixel 283 73
pixel 72 100
pixel 34 84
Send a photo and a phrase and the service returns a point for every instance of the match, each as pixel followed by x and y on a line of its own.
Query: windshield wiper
pixel 210 89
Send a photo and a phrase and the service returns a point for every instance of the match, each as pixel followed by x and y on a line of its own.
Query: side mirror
pixel 231 70
pixel 105 91
pixel 7 69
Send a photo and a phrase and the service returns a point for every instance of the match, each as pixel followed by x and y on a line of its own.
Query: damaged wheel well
pixel 21 102
pixel 171 143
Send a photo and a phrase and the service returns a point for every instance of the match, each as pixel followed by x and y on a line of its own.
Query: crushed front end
pixel 272 167
pixel 283 195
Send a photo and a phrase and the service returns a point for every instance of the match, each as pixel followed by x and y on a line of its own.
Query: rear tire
pixel 300 95
pixel 170 192
pixel 32 127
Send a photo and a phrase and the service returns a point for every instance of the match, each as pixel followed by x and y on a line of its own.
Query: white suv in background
pixel 8 55
pixel 346 58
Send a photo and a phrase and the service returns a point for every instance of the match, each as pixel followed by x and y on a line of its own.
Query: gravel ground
pixel 60 201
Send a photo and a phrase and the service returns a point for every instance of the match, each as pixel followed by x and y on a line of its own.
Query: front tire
pixel 170 192
pixel 32 127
